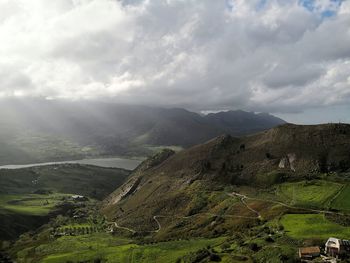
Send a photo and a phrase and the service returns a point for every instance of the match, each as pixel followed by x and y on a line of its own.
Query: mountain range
pixel 44 130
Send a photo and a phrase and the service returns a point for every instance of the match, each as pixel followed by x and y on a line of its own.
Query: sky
pixel 287 57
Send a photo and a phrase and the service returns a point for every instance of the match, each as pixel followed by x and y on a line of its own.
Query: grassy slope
pixel 308 193
pixel 92 181
pixel 303 226
pixel 113 249
pixel 30 204
pixel 298 226
pixel 342 201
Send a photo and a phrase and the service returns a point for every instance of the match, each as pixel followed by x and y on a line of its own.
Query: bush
pixel 254 247
pixel 215 258
pixel 269 239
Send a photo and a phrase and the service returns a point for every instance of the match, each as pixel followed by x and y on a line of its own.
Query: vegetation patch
pixel 267 179
pixel 308 193
pixel 30 204
pixel 313 226
pixel 342 201
pixel 106 248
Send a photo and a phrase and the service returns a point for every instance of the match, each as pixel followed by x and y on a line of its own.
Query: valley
pixel 30 197
pixel 39 131
pixel 226 200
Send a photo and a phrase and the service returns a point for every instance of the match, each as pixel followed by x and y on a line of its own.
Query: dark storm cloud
pixel 280 56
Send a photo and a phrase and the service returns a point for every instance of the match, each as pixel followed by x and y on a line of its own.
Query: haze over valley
pixel 36 130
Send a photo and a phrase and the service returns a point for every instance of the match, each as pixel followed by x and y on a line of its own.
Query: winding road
pixel 234 194
pixel 242 198
pixel 122 227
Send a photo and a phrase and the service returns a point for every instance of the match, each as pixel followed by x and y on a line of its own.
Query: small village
pixel 334 250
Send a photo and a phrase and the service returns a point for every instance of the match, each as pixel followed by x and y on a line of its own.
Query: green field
pixel 27 196
pixel 113 249
pixel 313 226
pixel 308 193
pixel 342 201
pixel 87 180
pixel 30 204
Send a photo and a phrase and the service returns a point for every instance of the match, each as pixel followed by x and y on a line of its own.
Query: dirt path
pixel 242 199
pixel 155 218
pixel 122 227
pixel 158 223
pixel 234 194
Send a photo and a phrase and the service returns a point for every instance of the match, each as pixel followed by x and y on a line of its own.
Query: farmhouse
pixel 336 247
pixel 309 252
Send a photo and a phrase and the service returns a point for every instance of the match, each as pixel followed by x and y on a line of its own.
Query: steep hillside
pixel 189 183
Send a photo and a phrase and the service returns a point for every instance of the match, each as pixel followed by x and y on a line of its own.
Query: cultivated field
pixel 314 193
pixel 312 226
pixel 97 246
pixel 342 201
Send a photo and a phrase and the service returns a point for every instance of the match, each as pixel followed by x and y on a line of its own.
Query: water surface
pixel 111 162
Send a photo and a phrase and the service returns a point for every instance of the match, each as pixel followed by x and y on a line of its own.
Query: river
pixel 111 162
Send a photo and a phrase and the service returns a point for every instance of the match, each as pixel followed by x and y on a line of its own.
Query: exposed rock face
pixel 126 189
pixel 135 181
pixel 288 162
pixel 284 163
pixel 291 159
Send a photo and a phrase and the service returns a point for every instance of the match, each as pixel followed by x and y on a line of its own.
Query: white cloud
pixel 259 55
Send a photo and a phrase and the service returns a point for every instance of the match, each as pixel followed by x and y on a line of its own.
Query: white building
pixel 336 247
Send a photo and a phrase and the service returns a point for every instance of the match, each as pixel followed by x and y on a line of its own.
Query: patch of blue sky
pixel 328 13
pixel 310 5
pixel 313 6
pixel 229 4
pixel 261 4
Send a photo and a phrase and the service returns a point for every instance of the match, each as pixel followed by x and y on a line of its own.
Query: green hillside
pixel 29 197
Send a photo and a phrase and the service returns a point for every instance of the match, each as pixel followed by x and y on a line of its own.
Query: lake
pixel 111 162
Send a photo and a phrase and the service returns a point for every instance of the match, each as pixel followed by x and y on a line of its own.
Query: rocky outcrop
pixel 288 162
pixel 134 182
pixel 126 189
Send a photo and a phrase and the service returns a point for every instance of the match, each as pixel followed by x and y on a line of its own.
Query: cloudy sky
pixel 287 57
